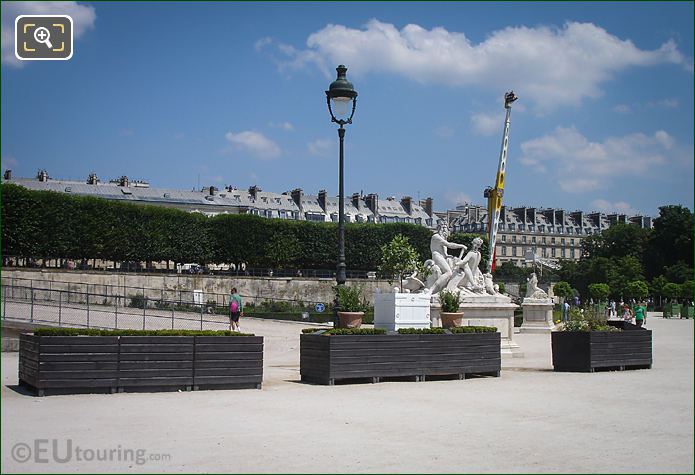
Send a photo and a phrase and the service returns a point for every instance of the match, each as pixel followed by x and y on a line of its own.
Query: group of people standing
pixel 635 313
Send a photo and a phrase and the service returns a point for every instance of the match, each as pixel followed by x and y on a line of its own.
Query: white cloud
pixel 458 198
pixel 665 103
pixel 486 124
pixel 255 143
pixel 83 17
pixel 321 147
pixel 619 207
pixel 581 165
pixel 262 43
pixel 283 125
pixel 549 67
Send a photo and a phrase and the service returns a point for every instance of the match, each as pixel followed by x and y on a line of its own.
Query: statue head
pixel 477 243
pixel 443 229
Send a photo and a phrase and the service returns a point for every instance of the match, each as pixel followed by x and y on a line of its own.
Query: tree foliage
pixel 398 258
pixel 599 291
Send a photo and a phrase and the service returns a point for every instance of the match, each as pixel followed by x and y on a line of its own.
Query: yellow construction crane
pixel 494 194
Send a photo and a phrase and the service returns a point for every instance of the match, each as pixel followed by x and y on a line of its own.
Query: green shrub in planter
pixel 96 332
pixel 449 301
pixel 421 331
pixel 473 329
pixel 351 299
pixel 355 331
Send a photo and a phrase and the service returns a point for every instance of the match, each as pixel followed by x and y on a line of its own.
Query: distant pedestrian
pixel 640 314
pixel 236 309
pixel 565 311
pixel 613 312
pixel 627 313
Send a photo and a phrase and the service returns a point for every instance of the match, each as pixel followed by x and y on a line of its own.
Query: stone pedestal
pixel 401 310
pixel 538 316
pixel 486 310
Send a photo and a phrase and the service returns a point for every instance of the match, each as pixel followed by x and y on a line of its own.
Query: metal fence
pixel 150 310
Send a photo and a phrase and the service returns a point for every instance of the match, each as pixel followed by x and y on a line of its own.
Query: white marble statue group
pixel 452 272
pixel 533 292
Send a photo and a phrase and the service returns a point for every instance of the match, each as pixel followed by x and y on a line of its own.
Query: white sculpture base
pixel 401 310
pixel 538 316
pixel 486 310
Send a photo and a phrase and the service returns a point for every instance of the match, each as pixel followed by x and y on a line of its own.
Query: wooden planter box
pixel 79 363
pixel 323 359
pixel 587 351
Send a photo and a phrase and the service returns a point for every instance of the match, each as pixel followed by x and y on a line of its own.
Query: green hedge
pixel 421 331
pixel 473 329
pixel 97 332
pixel 46 224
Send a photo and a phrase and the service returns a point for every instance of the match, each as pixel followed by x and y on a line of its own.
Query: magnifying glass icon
pixel 42 35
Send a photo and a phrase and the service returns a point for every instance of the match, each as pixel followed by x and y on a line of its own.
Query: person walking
pixel 236 309
pixel 565 311
pixel 627 313
pixel 640 314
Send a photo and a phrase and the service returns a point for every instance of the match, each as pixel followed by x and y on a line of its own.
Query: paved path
pixel 528 420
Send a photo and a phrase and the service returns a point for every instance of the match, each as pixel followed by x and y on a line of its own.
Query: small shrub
pixel 314 330
pixel 137 301
pixel 449 301
pixel 588 320
pixel 421 331
pixel 473 329
pixel 351 299
pixel 355 331
pixel 98 332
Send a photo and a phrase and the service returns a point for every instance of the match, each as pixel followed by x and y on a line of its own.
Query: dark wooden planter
pixel 323 359
pixel 228 361
pixel 587 351
pixel 79 363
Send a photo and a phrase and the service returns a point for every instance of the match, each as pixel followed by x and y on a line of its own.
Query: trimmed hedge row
pixel 46 224
pixel 96 332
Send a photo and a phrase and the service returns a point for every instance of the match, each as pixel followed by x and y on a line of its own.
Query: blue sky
pixel 182 94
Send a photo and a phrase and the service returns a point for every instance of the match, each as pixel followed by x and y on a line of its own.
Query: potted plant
pixel 450 315
pixel 351 306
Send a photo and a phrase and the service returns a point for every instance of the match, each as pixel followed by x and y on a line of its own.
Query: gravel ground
pixel 528 420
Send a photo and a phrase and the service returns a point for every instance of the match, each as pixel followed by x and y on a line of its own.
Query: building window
pixel 554 252
pixel 523 238
pixel 572 242
pixel 552 240
pixel 563 252
pixel 562 241
pixel 514 238
pixel 504 250
pixel 543 239
pixel 533 239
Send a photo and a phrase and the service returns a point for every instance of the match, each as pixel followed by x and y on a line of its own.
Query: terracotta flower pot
pixel 451 319
pixel 350 319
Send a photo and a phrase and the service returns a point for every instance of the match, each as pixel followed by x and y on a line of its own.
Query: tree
pixel 563 290
pixel 672 291
pixel 671 240
pixel 637 289
pixel 398 258
pixel 599 291
pixel 687 290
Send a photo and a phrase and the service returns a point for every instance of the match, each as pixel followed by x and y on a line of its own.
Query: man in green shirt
pixel 640 314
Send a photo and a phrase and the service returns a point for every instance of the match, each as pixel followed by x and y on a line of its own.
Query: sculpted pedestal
pixel 401 310
pixel 486 310
pixel 538 315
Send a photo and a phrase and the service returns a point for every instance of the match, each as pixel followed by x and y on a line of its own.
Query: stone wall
pixel 175 286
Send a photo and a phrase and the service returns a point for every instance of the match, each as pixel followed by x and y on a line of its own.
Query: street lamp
pixel 341 98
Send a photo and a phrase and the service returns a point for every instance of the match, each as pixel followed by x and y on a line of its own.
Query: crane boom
pixel 494 194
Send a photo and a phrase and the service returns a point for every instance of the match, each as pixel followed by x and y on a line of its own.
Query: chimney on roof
pixel 212 191
pixel 322 200
pixel 123 181
pixel 428 206
pixel 42 175
pixel 372 202
pixel 8 174
pixel 355 198
pixel 92 179
pixel 253 191
pixel 407 204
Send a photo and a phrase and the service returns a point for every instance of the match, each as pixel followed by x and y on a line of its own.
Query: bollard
pixel 116 314
pixel 31 318
pixel 201 316
pixel 87 307
pixel 172 316
pixel 60 307
pixel 144 309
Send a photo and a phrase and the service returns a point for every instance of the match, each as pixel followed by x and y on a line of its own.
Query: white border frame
pixel 72 39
